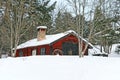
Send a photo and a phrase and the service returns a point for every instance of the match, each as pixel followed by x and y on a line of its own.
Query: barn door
pixel 70 48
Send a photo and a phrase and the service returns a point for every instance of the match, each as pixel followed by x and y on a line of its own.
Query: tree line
pixel 98 21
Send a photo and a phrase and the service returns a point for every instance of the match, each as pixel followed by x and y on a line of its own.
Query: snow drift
pixel 60 68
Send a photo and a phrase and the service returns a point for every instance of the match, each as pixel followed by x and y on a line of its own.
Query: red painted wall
pixel 28 51
pixel 70 38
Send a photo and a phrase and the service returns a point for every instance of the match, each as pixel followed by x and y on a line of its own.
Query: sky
pixel 60 3
pixel 63 3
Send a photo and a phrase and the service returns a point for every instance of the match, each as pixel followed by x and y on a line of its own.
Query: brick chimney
pixel 41 33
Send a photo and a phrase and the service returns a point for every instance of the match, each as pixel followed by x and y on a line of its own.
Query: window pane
pixel 42 51
pixel 20 53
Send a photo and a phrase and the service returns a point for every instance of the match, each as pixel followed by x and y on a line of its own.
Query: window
pixel 34 52
pixel 70 48
pixel 42 51
pixel 20 53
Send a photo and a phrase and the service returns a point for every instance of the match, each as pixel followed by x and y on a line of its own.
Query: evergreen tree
pixel 41 15
pixel 20 16
pixel 64 22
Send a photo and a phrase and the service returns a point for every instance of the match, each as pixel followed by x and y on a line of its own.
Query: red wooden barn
pixel 62 43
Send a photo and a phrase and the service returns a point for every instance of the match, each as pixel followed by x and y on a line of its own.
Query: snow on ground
pixel 96 50
pixel 114 48
pixel 60 68
pixel 113 53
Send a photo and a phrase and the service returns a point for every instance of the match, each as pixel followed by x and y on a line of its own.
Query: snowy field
pixel 60 68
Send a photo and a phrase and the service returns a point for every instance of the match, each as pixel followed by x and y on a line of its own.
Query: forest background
pixel 98 21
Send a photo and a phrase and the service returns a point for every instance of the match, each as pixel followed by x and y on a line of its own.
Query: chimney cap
pixel 41 27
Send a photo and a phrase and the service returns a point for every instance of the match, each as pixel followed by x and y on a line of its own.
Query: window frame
pixel 42 51
pixel 35 52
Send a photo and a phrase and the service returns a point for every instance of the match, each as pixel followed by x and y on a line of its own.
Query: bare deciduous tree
pixel 15 21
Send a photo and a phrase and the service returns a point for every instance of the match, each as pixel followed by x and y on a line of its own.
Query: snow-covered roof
pixel 86 41
pixel 42 27
pixel 49 39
